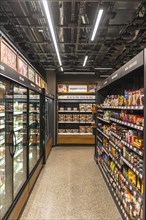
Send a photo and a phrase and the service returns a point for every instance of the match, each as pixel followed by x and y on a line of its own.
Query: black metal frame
pixel 137 63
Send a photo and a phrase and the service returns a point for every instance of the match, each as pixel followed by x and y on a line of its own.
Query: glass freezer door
pixel 6 179
pixel 19 137
pixel 34 129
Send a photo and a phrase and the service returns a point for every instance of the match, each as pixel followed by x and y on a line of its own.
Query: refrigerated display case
pixel 22 125
pixel 20 141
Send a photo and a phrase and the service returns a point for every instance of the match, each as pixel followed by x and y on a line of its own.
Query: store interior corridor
pixel 71 187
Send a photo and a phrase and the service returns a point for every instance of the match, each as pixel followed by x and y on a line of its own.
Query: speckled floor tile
pixel 71 187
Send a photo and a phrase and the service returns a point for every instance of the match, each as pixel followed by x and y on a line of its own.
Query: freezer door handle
pixel 12 148
pixel 12 144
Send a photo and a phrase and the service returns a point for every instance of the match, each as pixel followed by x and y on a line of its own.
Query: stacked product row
pixel 75 118
pixel 77 107
pixel 120 148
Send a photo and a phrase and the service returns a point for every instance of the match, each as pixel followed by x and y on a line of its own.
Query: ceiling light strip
pixel 97 24
pixel 80 73
pixel 85 60
pixel 48 15
pixel 102 68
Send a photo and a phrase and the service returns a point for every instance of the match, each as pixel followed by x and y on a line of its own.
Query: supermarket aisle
pixel 71 187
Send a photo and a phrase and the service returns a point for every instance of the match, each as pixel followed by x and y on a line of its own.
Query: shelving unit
pixel 75 117
pixel 120 138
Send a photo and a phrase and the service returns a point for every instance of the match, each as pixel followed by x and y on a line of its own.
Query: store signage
pixel 131 65
pixel 105 83
pixel 2 67
pixel 77 88
pixel 114 76
pixel 32 85
pixel 21 78
pixel 76 97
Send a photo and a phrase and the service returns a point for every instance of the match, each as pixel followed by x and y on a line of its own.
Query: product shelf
pixel 127 124
pixel 116 198
pixel 75 122
pixel 105 151
pixel 114 159
pixel 75 133
pixel 115 146
pixel 132 167
pixel 103 120
pixel 18 153
pixel 72 111
pixel 103 133
pixel 99 139
pixel 124 107
pixel 2 114
pixel 114 134
pixel 135 191
pixel 139 152
pixel 18 128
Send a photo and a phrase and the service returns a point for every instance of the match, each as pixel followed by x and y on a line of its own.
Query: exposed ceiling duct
pixel 119 37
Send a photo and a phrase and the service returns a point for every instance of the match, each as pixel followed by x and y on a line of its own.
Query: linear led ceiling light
pixel 85 60
pixel 78 73
pixel 104 75
pixel 48 15
pixel 61 68
pixel 102 68
pixel 96 24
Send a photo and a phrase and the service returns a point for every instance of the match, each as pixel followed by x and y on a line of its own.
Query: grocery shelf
pixel 2 127
pixel 103 120
pixel 19 141
pixel 2 114
pixel 132 167
pixel 136 150
pixel 124 107
pixel 114 134
pixel 2 161
pixel 135 191
pixel 103 133
pixel 105 150
pixel 73 111
pixel 75 122
pixel 2 141
pixel 115 146
pixel 99 139
pixel 75 134
pixel 127 124
pixel 115 196
pixel 101 111
pixel 18 153
pixel 116 162
pixel 18 128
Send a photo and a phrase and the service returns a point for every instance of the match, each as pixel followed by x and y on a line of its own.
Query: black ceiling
pixel 121 34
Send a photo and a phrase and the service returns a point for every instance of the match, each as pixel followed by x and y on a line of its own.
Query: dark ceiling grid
pixel 119 37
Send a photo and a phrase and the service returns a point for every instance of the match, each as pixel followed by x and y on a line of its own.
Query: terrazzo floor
pixel 70 187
